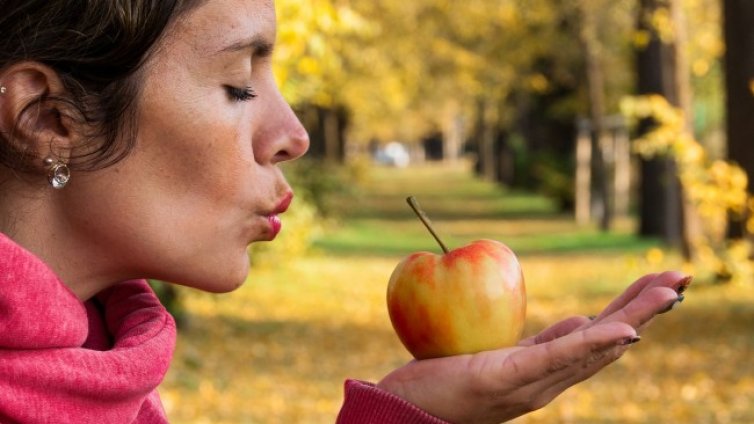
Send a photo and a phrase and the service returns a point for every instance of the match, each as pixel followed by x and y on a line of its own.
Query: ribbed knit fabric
pixel 64 361
pixel 366 404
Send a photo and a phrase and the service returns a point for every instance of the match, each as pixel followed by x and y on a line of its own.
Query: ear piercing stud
pixel 58 173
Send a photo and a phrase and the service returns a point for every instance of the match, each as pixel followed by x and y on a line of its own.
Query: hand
pixel 496 386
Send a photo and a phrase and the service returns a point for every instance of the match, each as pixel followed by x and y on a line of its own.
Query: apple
pixel 467 300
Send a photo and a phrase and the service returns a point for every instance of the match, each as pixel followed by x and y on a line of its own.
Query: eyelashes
pixel 240 94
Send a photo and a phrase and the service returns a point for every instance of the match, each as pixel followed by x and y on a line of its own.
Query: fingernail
pixel 683 284
pixel 673 304
pixel 630 340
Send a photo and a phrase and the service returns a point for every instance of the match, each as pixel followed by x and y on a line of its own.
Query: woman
pixel 141 139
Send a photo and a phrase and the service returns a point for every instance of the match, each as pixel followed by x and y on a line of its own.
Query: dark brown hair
pixel 97 47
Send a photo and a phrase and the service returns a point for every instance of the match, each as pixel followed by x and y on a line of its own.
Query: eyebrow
pixel 258 45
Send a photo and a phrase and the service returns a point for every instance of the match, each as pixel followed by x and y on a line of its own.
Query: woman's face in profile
pixel 202 182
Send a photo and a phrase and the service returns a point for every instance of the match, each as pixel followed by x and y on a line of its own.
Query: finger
pixel 657 297
pixel 640 310
pixel 631 292
pixel 584 367
pixel 538 364
pixel 555 331
pixel 672 279
pixel 597 362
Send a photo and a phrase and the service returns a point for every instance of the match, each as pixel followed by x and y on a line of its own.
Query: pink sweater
pixel 366 404
pixel 64 361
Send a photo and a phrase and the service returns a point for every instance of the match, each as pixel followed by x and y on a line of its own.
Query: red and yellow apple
pixel 468 300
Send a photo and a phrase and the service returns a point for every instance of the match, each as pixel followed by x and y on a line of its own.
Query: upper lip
pixel 284 203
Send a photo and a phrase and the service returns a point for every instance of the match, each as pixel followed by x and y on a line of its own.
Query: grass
pixel 278 349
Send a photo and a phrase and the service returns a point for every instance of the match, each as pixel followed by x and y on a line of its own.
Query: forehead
pixel 218 24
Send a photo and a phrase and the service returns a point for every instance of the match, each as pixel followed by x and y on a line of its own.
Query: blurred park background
pixel 600 139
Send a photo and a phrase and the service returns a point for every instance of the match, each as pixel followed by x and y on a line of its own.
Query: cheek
pixel 198 150
pixel 207 157
pixel 225 162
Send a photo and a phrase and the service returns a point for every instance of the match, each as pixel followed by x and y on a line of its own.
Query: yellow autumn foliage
pixel 717 189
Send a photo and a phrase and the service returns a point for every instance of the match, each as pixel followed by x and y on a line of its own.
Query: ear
pixel 31 118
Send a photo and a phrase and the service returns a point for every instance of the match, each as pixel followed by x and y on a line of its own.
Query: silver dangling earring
pixel 58 173
pixel 3 89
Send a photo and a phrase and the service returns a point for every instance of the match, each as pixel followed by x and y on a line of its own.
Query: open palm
pixel 496 386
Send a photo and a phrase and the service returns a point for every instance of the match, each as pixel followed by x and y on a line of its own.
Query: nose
pixel 284 138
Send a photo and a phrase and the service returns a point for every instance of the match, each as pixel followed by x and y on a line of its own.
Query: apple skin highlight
pixel 468 300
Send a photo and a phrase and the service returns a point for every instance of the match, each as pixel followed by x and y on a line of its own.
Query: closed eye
pixel 240 94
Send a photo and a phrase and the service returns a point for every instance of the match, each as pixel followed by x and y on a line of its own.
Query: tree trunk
pixel 504 157
pixel 596 88
pixel 485 140
pixel 660 194
pixel 327 129
pixel 692 226
pixel 583 190
pixel 738 16
pixel 739 82
pixel 622 170
pixel 331 131
pixel 681 67
pixel 662 201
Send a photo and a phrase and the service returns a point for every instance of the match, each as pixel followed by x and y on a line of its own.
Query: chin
pixel 226 287
pixel 218 284
pixel 231 278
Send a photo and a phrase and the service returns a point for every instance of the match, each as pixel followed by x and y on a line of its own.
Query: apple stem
pixel 425 220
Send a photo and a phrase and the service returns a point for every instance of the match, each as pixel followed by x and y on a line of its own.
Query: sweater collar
pixel 46 373
pixel 37 310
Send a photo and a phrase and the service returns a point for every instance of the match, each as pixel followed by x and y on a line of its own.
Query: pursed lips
pixel 273 218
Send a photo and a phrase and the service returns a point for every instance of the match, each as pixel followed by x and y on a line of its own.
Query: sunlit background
pixel 600 139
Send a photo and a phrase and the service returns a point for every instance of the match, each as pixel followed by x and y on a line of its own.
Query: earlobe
pixel 32 118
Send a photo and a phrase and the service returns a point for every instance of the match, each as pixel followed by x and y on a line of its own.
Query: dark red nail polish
pixel 673 304
pixel 684 284
pixel 631 340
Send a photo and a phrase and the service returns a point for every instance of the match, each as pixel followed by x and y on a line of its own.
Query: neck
pixel 32 217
